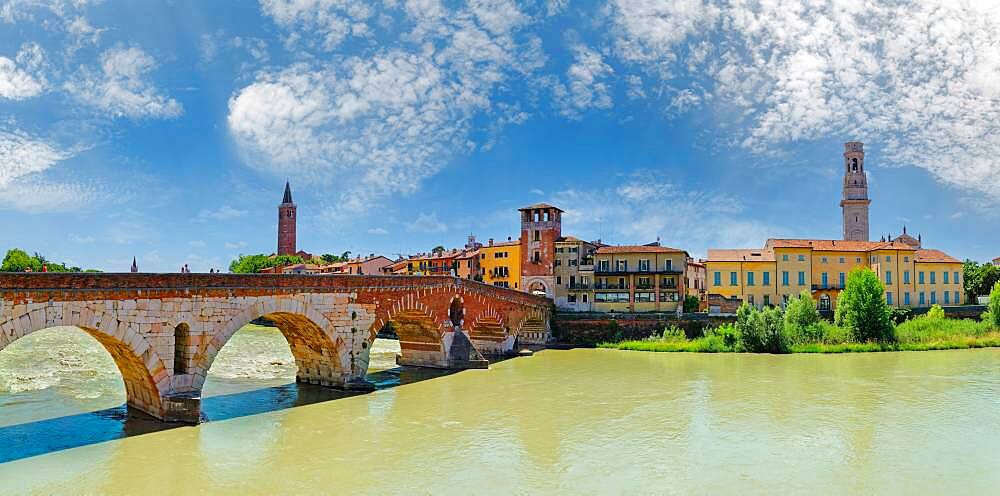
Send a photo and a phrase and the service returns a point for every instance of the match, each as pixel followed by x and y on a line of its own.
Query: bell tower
pixel 286 223
pixel 541 226
pixel 855 200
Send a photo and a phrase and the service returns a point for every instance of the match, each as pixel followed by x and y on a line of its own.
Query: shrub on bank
pixel 862 309
pixel 993 307
pixel 761 331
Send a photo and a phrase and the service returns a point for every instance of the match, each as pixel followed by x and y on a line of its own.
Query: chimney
pixel 491 241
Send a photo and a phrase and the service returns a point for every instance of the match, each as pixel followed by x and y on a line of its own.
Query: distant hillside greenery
pixel 18 260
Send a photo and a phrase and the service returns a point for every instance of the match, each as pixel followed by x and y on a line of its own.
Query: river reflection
pixel 590 422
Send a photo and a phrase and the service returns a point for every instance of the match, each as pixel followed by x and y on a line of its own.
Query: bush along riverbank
pixel 863 322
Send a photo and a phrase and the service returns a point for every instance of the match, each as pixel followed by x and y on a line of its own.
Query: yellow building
pixel 638 278
pixel 913 277
pixel 501 263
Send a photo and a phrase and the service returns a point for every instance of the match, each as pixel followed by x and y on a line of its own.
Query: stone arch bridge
pixel 165 330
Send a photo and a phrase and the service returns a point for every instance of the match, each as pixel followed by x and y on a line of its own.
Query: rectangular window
pixel 947 297
pixel 888 277
pixel 643 265
pixel 622 266
pixel 733 280
pixel 802 258
pixel 644 297
pixel 933 274
pixel 718 278
pixel 823 277
pixel 841 280
pixel 906 259
pixel 956 281
pixel 857 260
pixel 558 262
pixel 888 298
pixel 906 277
pixel 888 258
pixel 749 278
pixel 944 277
pixel 668 265
pixel 558 280
pixel 920 277
pixel 767 300
pixel 802 278
pixel 767 278
pixel 841 259
pixel 644 283
pixel 602 266
pixel 784 278
pixel 933 297
pixel 750 299
pixel 923 300
pixel 823 260
pixel 784 258
pixel 906 298
pixel 958 299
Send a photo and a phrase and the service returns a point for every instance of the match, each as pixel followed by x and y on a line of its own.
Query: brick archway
pixel 143 372
pixel 321 358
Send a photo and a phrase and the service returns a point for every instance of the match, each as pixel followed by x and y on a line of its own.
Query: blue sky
pixel 165 131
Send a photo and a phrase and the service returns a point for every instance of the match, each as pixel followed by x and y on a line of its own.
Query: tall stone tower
pixel 541 226
pixel 286 223
pixel 855 201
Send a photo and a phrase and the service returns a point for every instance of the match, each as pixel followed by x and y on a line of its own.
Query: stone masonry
pixel 165 330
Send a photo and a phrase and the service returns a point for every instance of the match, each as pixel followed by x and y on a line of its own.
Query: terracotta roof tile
pixel 935 256
pixel 837 245
pixel 740 256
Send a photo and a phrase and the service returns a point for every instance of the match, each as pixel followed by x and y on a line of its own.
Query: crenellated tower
pixel 286 223
pixel 541 226
pixel 855 200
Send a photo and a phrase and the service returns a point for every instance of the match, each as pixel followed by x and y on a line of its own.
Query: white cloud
pixel 22 154
pixel 427 223
pixel 648 207
pixel 331 21
pixel 34 194
pixel 392 115
pixel 82 239
pixel 378 231
pixel 20 10
pixel 122 87
pixel 82 33
pixel 915 80
pixel 222 213
pixel 236 246
pixel 21 78
pixel 197 243
pixel 586 87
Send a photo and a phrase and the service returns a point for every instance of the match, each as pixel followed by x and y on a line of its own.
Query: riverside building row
pixel 912 275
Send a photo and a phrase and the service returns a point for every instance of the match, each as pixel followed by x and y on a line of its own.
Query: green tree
pixel 16 261
pixel 801 311
pixel 329 258
pixel 345 256
pixel 438 249
pixel 979 279
pixel 862 309
pixel 691 303
pixel 761 331
pixel 253 264
pixel 994 306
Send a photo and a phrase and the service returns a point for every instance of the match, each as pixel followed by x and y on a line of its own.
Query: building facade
pixel 574 271
pixel 500 264
pixel 638 278
pixel 695 275
pixel 286 223
pixel 785 267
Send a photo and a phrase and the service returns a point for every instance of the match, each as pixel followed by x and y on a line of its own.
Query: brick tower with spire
pixel 286 223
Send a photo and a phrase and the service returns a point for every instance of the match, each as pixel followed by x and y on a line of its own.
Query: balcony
pixel 644 286
pixel 579 286
pixel 630 270
pixel 611 286
pixel 821 287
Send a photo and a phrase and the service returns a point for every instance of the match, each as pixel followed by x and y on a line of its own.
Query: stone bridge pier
pixel 164 331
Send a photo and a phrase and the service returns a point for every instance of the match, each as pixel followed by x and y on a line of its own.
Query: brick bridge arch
pixel 145 376
pixel 166 330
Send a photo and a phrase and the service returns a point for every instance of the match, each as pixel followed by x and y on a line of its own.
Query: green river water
pixel 560 422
